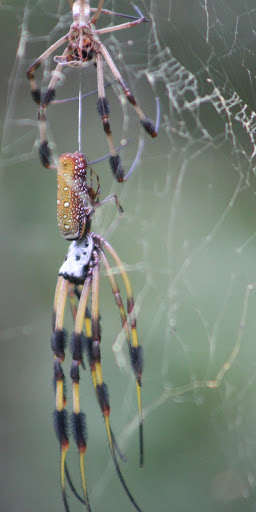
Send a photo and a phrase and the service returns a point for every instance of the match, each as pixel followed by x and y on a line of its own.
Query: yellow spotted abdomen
pixel 71 195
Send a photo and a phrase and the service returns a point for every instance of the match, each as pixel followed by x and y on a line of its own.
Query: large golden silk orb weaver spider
pixel 83 46
pixel 79 278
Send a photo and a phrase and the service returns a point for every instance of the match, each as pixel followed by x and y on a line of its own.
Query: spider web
pixel 187 238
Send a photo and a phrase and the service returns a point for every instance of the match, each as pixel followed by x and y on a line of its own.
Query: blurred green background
pixel 187 237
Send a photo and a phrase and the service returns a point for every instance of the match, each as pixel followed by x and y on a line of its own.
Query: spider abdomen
pixel 72 191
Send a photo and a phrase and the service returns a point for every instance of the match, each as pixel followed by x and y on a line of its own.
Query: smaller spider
pixel 84 45
pixel 79 277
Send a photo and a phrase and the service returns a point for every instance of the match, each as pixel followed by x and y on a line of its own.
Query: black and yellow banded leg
pixel 58 343
pixel 117 296
pixel 91 361
pixel 101 387
pixel 78 418
pixel 136 352
pixel 74 294
pixel 56 300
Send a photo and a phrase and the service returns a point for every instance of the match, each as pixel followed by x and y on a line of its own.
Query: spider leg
pixel 120 306
pixel 50 93
pixel 121 26
pixel 78 418
pixel 35 91
pixel 118 299
pixel 101 387
pixel 60 416
pixel 72 300
pixel 136 353
pixel 112 13
pixel 44 150
pixel 112 197
pixel 72 294
pixel 56 299
pixel 97 13
pixel 104 110
pixel 146 123
pixel 91 360
pixel 58 346
pixel 72 487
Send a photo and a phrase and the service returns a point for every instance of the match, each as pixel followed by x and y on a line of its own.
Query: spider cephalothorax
pixel 78 55
pixel 81 39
